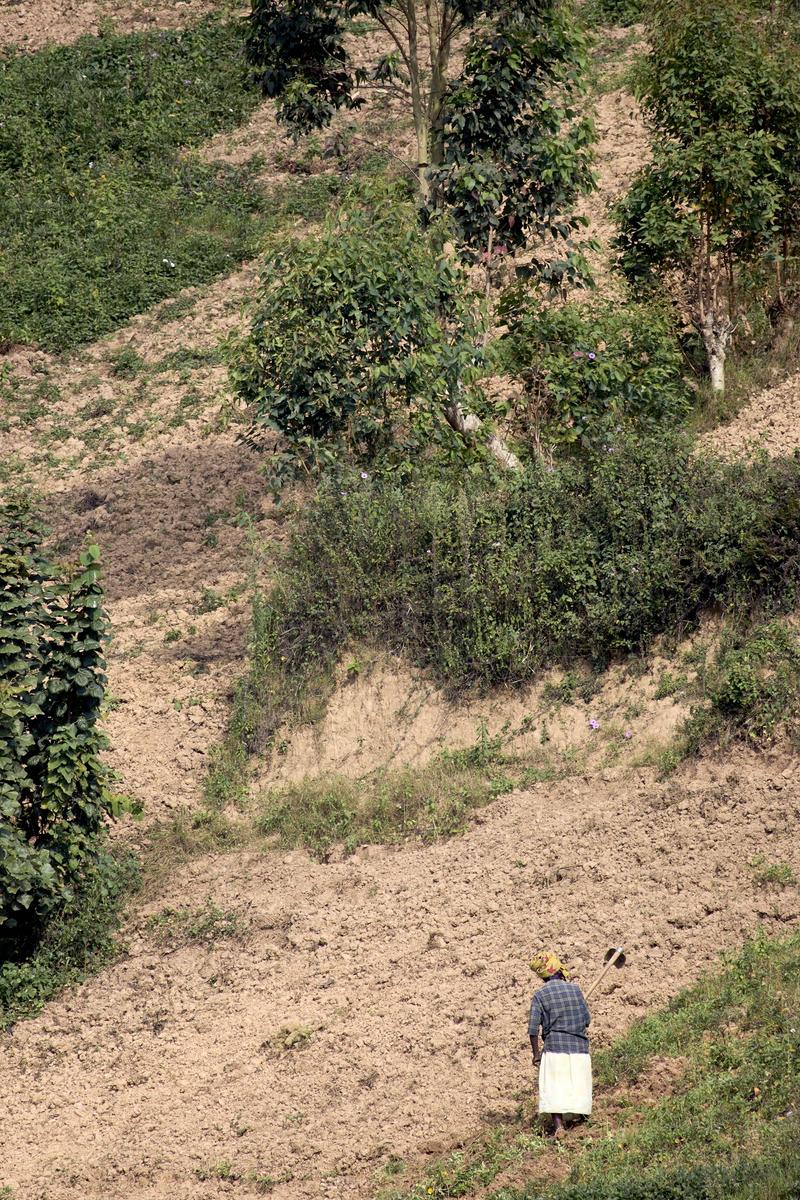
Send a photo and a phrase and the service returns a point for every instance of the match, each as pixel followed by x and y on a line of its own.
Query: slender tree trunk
pixel 439 20
pixel 418 105
pixel 466 423
pixel 716 331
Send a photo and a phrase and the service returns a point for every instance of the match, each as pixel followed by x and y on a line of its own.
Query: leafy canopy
pixel 502 146
pixel 722 97
pixel 516 152
pixel 361 335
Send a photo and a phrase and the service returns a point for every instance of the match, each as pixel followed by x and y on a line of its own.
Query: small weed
pixel 186 359
pixel 172 635
pixel 765 873
pixel 209 602
pixel 125 363
pixel 208 924
pixel 289 1037
pixel 752 689
pixel 671 685
pixel 221 1170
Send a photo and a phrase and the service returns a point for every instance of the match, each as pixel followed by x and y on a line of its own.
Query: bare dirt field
pixel 32 24
pixel 403 977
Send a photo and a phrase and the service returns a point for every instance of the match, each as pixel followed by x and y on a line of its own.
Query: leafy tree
pixel 501 144
pixel 364 344
pixel 53 800
pixel 516 151
pixel 722 97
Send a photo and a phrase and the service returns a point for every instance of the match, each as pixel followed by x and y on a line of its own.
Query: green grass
pixel 103 211
pixel 427 803
pixel 728 1126
pixel 105 207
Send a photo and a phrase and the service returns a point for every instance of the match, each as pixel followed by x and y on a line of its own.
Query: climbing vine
pixel 53 794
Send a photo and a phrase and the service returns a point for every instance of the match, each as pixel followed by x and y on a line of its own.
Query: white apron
pixel 565 1083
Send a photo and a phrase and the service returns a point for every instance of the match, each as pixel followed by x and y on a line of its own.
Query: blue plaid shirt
pixel 560 1009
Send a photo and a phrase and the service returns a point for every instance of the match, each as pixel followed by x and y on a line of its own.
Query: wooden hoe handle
pixel 619 951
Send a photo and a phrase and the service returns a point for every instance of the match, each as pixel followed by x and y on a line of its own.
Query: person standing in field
pixel 565 1066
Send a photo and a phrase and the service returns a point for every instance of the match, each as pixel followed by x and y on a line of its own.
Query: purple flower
pixel 365 474
pixel 591 356
pixel 594 723
pixel 628 733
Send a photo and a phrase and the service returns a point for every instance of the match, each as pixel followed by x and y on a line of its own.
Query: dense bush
pixel 362 336
pixel 589 370
pixel 615 12
pixel 78 939
pixel 100 212
pixel 487 582
pixel 53 798
pixel 751 689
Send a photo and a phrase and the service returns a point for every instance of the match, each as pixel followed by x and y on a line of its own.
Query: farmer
pixel 565 1068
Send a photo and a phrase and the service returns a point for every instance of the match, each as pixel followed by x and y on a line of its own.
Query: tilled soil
pixel 403 975
pixel 769 422
pixel 32 24
pixel 147 466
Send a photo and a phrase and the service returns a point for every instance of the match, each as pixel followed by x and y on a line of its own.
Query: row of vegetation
pixel 59 883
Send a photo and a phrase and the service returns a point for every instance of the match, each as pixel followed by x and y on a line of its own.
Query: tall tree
pixel 721 94
pixel 509 113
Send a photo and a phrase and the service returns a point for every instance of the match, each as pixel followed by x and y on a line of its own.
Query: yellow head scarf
pixel 546 964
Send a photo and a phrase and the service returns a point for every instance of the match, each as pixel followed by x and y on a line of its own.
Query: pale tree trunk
pixel 467 423
pixel 716 331
pixel 714 324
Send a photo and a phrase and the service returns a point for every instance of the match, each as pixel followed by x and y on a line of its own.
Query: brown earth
pixel 31 24
pixel 178 506
pixel 405 973
pixel 770 422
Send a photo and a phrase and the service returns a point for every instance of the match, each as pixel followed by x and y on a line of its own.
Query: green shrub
pixel 615 12
pixel 361 336
pixel 53 795
pixel 78 940
pixel 101 212
pixel 486 582
pixel 587 371
pixel 752 689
